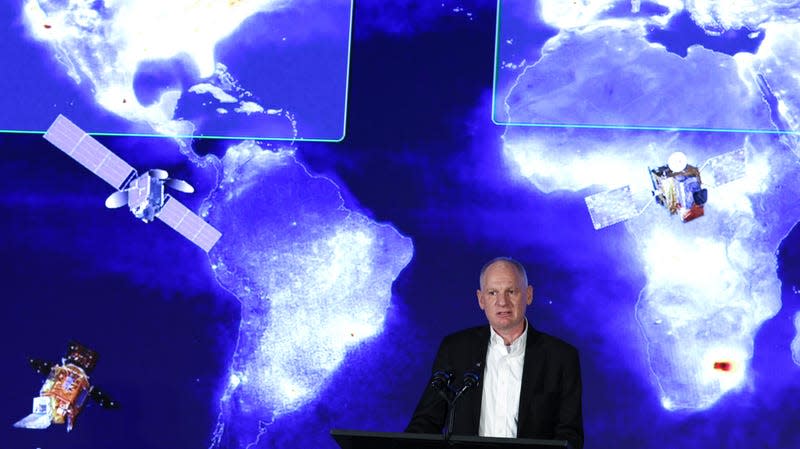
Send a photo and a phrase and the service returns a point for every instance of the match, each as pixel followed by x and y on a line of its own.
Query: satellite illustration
pixel 143 194
pixel 335 173
pixel 66 389
pixel 676 186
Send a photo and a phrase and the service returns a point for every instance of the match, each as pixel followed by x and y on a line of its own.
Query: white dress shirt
pixel 502 383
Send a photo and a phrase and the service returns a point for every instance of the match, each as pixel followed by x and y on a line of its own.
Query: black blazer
pixel 550 397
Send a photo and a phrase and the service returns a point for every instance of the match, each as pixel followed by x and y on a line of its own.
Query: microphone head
pixel 471 379
pixel 441 379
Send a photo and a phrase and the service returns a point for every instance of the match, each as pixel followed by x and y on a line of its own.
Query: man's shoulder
pixel 477 333
pixel 550 343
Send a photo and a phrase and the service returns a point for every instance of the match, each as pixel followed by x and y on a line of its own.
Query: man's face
pixel 504 297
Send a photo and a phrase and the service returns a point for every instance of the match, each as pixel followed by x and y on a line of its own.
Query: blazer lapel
pixel 482 342
pixel 531 377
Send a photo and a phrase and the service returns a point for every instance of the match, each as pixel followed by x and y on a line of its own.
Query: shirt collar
pixel 517 346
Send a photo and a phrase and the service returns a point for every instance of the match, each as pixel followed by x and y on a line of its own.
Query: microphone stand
pixel 451 418
pixel 470 381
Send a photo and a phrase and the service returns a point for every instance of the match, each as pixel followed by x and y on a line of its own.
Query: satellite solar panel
pixel 724 168
pixel 180 218
pixel 90 153
pixel 611 207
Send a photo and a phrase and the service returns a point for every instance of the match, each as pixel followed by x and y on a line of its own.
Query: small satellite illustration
pixel 677 186
pixel 65 390
pixel 144 194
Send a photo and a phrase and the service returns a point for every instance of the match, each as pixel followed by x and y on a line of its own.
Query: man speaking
pixel 530 382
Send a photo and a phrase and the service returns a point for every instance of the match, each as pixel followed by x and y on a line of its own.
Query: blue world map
pixel 367 159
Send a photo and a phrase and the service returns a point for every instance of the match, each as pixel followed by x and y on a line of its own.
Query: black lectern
pixel 354 439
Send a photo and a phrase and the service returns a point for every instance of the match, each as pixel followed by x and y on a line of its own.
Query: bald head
pixel 505 260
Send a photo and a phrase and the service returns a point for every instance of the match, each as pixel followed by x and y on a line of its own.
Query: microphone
pixel 471 380
pixel 441 379
pixel 440 382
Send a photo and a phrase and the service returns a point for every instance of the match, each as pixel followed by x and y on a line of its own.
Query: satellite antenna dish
pixel 677 161
pixel 179 185
pixel 117 199
pixel 158 173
